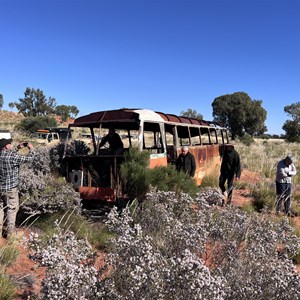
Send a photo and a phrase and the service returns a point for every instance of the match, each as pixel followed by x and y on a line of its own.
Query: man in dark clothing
pixel 115 143
pixel 230 168
pixel 186 162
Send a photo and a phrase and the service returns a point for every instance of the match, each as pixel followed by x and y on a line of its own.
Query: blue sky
pixel 163 55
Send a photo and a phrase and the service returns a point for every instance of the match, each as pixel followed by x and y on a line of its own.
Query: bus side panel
pixel 207 159
pixel 158 160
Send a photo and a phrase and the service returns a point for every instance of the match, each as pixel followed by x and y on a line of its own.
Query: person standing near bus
pixel 285 170
pixel 10 162
pixel 230 169
pixel 186 162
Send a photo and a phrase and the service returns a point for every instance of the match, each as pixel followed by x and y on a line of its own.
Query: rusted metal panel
pixel 117 116
pixel 97 193
pixel 158 161
pixel 207 160
pixel 184 120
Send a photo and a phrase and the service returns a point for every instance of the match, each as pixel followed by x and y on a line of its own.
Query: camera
pixel 25 144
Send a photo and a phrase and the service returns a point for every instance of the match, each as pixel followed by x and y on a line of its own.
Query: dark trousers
pixel 222 181
pixel 283 195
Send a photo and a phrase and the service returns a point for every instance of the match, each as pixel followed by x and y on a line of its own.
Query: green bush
pixel 134 173
pixel 32 124
pixel 168 179
pixel 137 177
pixel 246 139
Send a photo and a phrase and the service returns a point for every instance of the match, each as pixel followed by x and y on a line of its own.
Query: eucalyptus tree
pixel 34 103
pixel 292 127
pixel 240 114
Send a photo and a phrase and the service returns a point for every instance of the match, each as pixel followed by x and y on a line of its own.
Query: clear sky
pixel 163 55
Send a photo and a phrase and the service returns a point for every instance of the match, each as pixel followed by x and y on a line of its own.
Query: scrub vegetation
pixel 174 241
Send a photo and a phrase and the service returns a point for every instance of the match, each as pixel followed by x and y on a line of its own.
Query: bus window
pixel 169 139
pixel 195 136
pixel 152 138
pixel 220 136
pixel 213 136
pixel 225 136
pixel 205 138
pixel 130 138
pixel 171 143
pixel 183 135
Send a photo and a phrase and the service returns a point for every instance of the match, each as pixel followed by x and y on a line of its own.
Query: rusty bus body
pixel 162 135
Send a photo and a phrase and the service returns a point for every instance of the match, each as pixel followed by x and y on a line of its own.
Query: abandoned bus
pixel 95 173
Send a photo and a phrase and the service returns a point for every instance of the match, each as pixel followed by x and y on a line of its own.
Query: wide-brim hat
pixel 4 142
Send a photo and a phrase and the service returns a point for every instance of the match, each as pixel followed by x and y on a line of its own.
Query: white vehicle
pixel 46 137
pixel 5 134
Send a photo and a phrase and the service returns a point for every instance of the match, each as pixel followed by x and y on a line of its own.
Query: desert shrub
pixel 8 254
pixel 41 191
pixel 51 196
pixel 263 196
pixel 34 176
pixel 246 139
pixel 7 287
pixel 295 205
pixel 96 233
pixel 246 250
pixel 56 154
pixel 137 177
pixel 176 248
pixel 211 180
pixel 168 179
pixel 158 255
pixel 70 272
pixel 242 251
pixel 32 124
pixel 133 173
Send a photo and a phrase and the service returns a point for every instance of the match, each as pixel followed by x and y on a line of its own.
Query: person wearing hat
pixel 10 161
pixel 230 170
pixel 285 170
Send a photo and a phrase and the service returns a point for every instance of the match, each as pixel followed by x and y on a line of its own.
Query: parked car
pixel 5 134
pixel 45 137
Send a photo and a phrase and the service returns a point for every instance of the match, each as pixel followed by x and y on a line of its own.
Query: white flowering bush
pixel 70 272
pixel 254 255
pixel 173 247
pixel 41 191
pixel 200 252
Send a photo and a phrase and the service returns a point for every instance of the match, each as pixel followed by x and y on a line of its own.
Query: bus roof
pixel 131 118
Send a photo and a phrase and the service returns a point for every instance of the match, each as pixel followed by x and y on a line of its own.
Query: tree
pixel 292 127
pixel 255 120
pixel 32 124
pixel 34 103
pixel 240 114
pixel 11 105
pixel 191 113
pixel 1 101
pixel 66 111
